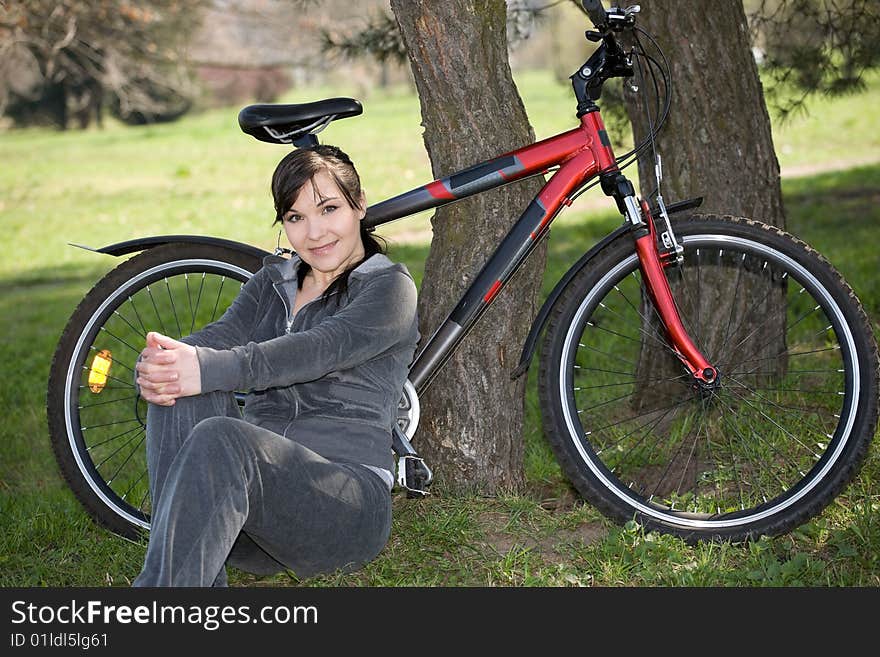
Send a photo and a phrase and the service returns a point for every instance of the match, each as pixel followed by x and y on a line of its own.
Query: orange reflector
pixel 99 370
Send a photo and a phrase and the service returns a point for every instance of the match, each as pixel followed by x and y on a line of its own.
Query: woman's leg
pixel 168 428
pixel 303 512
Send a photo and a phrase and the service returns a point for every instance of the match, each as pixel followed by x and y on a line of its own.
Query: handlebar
pixel 596 12
pixel 615 20
pixel 609 60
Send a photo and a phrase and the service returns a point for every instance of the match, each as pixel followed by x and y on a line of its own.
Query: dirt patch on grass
pixel 502 536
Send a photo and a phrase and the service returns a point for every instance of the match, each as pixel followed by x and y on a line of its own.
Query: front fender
pixel 144 243
pixel 531 342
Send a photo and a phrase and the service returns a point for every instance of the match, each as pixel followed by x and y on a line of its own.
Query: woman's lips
pixel 323 250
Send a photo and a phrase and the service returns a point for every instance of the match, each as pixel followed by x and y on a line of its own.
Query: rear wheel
pixel 767 447
pixel 96 418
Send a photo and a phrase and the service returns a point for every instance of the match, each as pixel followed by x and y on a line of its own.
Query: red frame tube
pixel 581 154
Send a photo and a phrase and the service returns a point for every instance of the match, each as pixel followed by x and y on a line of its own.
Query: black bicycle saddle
pixel 286 124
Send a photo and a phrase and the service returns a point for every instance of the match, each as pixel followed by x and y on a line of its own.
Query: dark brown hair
pixel 300 167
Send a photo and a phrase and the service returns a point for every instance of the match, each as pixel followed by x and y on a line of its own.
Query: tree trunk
pixel 470 430
pixel 716 143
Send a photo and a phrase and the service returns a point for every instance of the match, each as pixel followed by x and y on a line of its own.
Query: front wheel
pixel 770 444
pixel 97 421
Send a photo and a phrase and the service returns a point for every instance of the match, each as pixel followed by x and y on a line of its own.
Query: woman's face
pixel 323 229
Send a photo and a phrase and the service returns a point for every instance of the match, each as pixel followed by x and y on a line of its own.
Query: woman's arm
pixel 376 319
pixel 175 372
pixel 235 325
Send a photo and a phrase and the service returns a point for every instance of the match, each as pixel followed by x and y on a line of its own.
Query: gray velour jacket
pixel 331 376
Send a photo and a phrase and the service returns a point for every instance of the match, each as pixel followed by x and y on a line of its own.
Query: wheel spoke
pixel 749 313
pixel 132 486
pixel 192 327
pixel 108 401
pixel 217 300
pixel 746 442
pixel 774 423
pixel 631 452
pixel 143 329
pixel 173 308
pixel 118 449
pixel 736 287
pixel 762 324
pixel 651 335
pixel 156 310
pixel 128 385
pixel 640 415
pixel 127 459
pixel 111 438
pixel 140 331
pixel 775 405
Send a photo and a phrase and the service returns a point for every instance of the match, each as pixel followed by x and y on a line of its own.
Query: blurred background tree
pixel 61 62
pixel 813 46
pixel 66 63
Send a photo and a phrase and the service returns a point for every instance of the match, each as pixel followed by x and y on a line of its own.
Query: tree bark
pixel 470 430
pixel 716 143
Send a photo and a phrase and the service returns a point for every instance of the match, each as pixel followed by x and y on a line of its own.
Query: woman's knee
pixel 212 432
pixel 216 439
pixel 189 411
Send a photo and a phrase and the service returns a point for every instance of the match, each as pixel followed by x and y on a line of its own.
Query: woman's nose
pixel 316 229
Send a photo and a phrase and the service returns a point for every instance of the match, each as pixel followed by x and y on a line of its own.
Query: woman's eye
pixel 329 208
pixel 293 218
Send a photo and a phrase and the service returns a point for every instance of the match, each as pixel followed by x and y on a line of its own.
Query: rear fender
pixel 144 243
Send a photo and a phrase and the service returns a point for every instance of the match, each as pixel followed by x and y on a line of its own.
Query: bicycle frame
pixel 581 154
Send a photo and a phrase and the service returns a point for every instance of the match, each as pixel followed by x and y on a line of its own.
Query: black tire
pixel 97 431
pixel 785 429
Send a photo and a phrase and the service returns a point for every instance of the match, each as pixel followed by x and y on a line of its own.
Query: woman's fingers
pixel 158 387
pixel 157 356
pixel 157 374
pixel 163 396
pixel 159 400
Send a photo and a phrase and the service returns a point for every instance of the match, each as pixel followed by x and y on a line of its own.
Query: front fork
pixel 652 263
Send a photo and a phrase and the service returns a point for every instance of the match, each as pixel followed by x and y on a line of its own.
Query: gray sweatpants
pixel 227 491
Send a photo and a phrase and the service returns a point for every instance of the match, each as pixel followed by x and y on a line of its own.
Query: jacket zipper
pixel 289 322
pixel 299 312
pixel 291 389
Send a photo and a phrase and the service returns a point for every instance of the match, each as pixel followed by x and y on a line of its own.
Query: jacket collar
pixel 284 269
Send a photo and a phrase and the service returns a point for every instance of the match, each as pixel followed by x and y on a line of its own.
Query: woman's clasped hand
pixel 167 369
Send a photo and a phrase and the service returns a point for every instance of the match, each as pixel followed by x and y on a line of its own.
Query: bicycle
pixel 708 427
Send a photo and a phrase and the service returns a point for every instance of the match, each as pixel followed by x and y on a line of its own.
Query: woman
pixel 322 342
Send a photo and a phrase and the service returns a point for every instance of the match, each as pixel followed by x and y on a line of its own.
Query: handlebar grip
pixel 595 11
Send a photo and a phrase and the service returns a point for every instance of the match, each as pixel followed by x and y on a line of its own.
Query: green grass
pixel 202 176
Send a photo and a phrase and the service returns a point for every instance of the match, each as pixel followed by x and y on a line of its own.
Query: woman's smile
pixel 324 249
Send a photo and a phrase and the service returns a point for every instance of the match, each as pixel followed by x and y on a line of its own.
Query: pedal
pixel 414 475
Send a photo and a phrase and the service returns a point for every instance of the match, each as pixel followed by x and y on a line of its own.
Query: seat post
pixel 306 141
